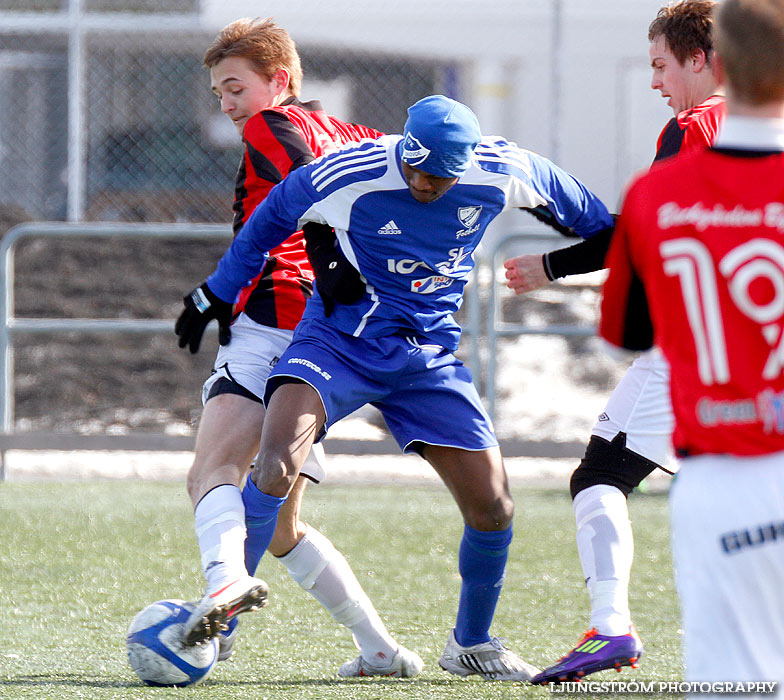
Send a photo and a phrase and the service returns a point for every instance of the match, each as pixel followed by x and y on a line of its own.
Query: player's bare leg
pixel 321 570
pixel 295 416
pixel 226 443
pixel 288 533
pixel 479 485
pixel 311 559
pixel 290 529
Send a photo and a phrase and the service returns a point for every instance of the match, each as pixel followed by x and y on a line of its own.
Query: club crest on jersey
pixel 428 285
pixel 468 217
pixel 414 152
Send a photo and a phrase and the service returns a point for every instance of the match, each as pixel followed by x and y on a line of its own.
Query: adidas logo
pixel 390 229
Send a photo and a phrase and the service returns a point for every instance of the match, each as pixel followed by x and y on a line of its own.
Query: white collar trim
pixel 752 133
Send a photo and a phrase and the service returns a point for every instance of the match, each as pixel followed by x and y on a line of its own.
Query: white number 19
pixel 757 259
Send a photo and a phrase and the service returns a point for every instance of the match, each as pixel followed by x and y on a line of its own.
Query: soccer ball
pixel 156 648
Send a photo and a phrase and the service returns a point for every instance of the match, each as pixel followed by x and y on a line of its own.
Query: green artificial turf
pixel 78 560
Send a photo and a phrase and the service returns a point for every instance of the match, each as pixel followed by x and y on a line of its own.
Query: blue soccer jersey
pixel 414 257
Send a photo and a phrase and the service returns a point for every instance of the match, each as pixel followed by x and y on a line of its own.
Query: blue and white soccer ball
pixel 157 650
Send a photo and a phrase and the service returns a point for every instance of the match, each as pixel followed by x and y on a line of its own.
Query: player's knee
pixel 207 473
pixel 496 515
pixel 272 475
pixel 199 480
pixel 611 463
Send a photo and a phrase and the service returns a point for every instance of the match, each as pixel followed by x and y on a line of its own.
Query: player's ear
pixel 281 79
pixel 698 60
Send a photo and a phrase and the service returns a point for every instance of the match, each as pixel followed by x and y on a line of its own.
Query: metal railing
pixel 497 327
pixel 12 325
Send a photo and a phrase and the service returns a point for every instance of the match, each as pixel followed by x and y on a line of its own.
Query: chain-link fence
pixel 106 114
pixel 111 108
pixel 152 145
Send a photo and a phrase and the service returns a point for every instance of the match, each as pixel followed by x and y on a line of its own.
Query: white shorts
pixel 640 406
pixel 248 360
pixel 727 530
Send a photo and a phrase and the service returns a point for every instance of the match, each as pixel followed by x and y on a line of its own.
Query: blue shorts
pixel 423 391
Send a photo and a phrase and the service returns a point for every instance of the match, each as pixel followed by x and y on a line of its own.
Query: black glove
pixel 338 281
pixel 201 306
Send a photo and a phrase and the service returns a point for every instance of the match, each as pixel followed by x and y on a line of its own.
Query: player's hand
pixel 201 306
pixel 337 280
pixel 525 273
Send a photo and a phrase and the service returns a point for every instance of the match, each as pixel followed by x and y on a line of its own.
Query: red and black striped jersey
pixel 697 126
pixel 692 128
pixel 278 140
pixel 697 264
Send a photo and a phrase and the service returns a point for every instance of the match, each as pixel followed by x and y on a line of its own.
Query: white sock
pixel 220 531
pixel 606 548
pixel 323 571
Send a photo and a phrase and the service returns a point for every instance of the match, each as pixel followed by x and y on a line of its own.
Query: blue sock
pixel 482 564
pixel 261 517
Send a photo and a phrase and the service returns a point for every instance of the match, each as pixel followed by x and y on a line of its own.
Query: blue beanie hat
pixel 440 136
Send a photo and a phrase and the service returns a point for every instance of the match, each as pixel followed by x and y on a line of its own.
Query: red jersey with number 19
pixel 700 243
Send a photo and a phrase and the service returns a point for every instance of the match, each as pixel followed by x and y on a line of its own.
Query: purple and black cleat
pixel 594 652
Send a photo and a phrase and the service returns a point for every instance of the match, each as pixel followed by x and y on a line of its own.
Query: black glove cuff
pixel 202 298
